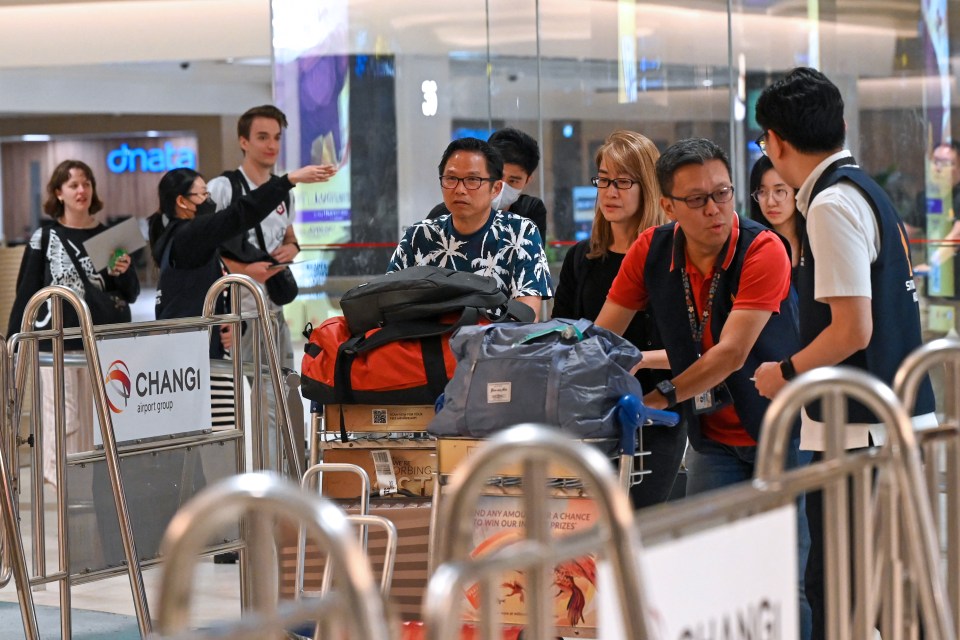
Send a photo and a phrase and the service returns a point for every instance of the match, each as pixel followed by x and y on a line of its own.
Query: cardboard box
pixel 378 418
pixel 412 467
pixel 412 518
pixel 451 452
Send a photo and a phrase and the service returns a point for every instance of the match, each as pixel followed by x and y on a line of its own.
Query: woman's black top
pixel 54 265
pixel 188 251
pixel 582 292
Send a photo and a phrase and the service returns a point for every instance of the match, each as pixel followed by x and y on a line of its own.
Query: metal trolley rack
pixel 571 505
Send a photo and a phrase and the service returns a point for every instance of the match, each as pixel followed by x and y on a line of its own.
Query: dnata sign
pixel 131 160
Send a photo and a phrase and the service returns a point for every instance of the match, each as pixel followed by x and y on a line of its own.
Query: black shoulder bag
pixel 105 307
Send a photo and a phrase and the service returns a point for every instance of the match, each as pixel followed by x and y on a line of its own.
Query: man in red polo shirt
pixel 717 286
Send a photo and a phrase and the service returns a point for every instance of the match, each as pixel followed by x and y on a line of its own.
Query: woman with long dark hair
pixel 185 237
pixel 186 233
pixel 773 203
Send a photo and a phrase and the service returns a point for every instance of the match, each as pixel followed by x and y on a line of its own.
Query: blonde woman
pixel 628 202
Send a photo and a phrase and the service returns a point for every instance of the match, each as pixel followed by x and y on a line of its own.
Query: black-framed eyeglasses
pixel 700 201
pixel 777 195
pixel 761 142
pixel 621 184
pixel 471 183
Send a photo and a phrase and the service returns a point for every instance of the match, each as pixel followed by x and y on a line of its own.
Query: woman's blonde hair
pixel 633 154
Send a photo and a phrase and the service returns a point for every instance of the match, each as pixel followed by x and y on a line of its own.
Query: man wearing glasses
pixel 717 286
pixel 473 236
pixel 858 300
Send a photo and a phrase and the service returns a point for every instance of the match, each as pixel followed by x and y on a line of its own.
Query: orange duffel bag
pixel 403 363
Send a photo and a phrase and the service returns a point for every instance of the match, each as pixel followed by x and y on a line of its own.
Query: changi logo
pixel 124 159
pixel 117 383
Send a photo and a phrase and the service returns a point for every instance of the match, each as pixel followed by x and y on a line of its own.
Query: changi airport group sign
pixel 156 385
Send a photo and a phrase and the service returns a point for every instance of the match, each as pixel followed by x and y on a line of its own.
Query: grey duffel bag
pixel 562 372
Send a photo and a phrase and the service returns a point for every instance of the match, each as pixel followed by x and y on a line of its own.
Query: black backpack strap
pixel 45 240
pixel 413 330
pixel 75 259
pixel 517 311
pixel 240 187
pixel 431 344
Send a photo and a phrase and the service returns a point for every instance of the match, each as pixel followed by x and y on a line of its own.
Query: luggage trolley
pixel 499 518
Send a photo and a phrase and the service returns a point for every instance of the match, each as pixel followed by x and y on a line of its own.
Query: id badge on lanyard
pixel 719 396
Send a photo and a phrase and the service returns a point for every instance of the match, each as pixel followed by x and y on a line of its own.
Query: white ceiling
pixel 125 56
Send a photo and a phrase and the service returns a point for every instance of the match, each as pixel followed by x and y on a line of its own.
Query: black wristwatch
pixel 787 370
pixel 666 388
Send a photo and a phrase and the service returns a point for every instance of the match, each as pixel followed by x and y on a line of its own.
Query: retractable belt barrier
pixel 353 604
pixel 941 451
pixel 883 488
pixel 192 450
pixel 537 448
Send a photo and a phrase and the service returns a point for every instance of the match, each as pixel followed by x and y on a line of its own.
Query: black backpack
pixel 421 293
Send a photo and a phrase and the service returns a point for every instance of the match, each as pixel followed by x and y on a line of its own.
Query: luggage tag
pixel 712 399
pixel 383 466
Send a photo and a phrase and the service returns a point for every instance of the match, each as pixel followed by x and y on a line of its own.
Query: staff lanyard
pixel 696 330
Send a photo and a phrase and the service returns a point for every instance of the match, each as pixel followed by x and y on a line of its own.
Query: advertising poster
pixel 157 385
pixel 499 521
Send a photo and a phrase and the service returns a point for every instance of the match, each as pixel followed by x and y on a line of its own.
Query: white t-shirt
pixel 845 241
pixel 274 226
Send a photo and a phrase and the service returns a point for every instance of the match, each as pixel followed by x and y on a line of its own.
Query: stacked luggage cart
pixel 503 509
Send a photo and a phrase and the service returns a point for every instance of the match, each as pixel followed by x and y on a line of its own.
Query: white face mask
pixel 507 196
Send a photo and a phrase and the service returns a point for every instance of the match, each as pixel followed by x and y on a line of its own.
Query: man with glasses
pixel 473 236
pixel 521 157
pixel 857 297
pixel 717 286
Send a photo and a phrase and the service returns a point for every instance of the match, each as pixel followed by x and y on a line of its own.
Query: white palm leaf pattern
pixel 491 267
pixel 446 253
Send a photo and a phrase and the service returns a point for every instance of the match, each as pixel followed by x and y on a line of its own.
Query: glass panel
pixel 383 94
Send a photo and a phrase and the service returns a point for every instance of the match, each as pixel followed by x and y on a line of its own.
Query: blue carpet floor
pixel 87 625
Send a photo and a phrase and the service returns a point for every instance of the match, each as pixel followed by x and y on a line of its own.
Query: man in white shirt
pixel 857 297
pixel 259 131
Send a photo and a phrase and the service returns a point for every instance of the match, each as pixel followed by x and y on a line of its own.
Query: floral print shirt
pixel 507 248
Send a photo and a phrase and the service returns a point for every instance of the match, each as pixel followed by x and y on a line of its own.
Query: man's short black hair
pixel 516 147
pixel 805 109
pixel 684 152
pixel 475 145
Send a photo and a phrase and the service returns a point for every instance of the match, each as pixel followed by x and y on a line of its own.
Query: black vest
pixel 894 297
pixel 180 292
pixel 779 338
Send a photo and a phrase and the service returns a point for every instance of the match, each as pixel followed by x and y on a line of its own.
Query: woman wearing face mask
pixel 56 256
pixel 186 233
pixel 628 201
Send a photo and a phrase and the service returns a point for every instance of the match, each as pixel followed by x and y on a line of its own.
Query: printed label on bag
pixel 498 392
